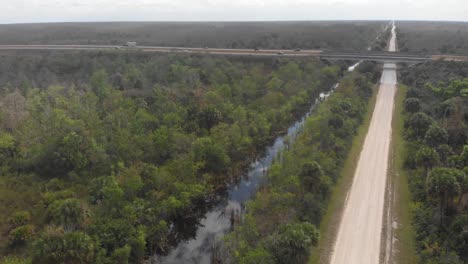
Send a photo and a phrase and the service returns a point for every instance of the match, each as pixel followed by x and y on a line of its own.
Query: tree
pixel 54 246
pixel 459 235
pixel 462 179
pixel 73 152
pixel 133 78
pixel 442 184
pixel 336 122
pixel 412 105
pixel 419 123
pixel 258 255
pixel 293 242
pixel 21 234
pixel 436 136
pixel 209 117
pixel 210 154
pixel 275 84
pixel 67 213
pixel 311 175
pixel 130 182
pixel 19 218
pixel 13 108
pixel 445 152
pixel 99 84
pixel 464 156
pixel 7 144
pixel 292 72
pixel 121 255
pixel 427 157
pixel 413 93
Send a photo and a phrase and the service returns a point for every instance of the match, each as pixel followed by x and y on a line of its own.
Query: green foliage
pixel 7 142
pixel 55 246
pixel 130 182
pixel 311 174
pixel 67 213
pixel 209 117
pixel 19 218
pixel 453 89
pixel 73 152
pixel 51 197
pixel 121 255
pixel 419 123
pixel 436 161
pixel 436 136
pixel 442 183
pixel 21 234
pixel 293 243
pixel 412 105
pixel 14 260
pixel 131 145
pixel 99 84
pixel 210 155
pixel 427 157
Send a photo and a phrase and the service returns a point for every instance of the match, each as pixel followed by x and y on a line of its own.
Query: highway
pixel 262 52
pixel 360 232
pixel 328 55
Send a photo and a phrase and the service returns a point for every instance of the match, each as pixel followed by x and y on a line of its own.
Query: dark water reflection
pixel 217 221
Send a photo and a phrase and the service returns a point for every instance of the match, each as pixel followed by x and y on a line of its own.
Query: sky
pixel 31 11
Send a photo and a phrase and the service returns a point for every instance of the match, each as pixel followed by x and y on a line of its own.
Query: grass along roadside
pixel 404 242
pixel 331 220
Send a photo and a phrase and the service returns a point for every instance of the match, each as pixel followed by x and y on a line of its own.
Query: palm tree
pixel 442 184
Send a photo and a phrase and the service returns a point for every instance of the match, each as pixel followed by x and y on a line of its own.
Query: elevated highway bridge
pixel 389 57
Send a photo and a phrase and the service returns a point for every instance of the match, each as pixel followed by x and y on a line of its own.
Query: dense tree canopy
pixel 436 135
pixel 117 160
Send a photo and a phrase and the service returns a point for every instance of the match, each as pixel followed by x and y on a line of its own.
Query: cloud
pixel 21 11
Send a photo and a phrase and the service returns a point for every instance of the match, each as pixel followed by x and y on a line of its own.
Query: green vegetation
pixel 436 167
pixel 121 166
pixel 404 233
pixel 342 35
pixel 299 186
pixel 433 37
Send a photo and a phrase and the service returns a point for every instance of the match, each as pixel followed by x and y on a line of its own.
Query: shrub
pixel 19 218
pixel 21 234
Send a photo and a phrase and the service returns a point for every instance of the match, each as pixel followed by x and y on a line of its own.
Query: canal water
pixel 218 220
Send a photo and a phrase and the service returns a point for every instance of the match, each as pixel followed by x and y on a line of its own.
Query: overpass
pixel 388 57
pixel 391 57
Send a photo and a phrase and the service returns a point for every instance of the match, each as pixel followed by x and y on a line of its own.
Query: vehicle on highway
pixel 297 49
pixel 130 44
pixel 256 49
pixel 280 53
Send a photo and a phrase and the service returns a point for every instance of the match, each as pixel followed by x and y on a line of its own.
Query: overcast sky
pixel 25 11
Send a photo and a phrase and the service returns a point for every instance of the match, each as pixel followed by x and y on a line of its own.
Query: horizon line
pixel 234 21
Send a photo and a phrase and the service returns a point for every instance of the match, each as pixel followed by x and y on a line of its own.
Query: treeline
pixel 342 35
pixel 95 172
pixel 433 37
pixel 280 224
pixel 433 72
pixel 436 160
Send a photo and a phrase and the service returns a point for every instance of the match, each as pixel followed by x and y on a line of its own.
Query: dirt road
pixel 360 231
